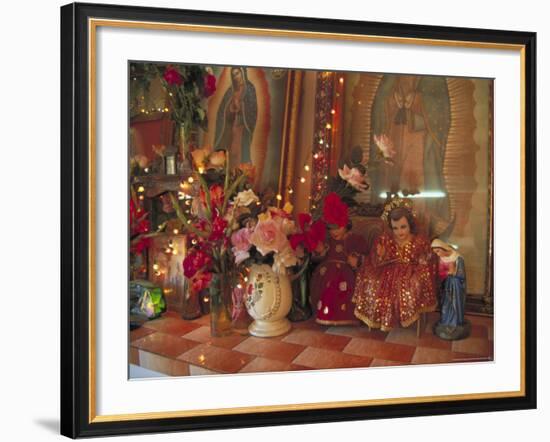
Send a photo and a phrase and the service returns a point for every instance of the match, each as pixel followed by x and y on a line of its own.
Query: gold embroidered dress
pixel 396 283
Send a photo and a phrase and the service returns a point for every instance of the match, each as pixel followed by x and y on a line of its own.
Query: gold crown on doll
pixel 396 202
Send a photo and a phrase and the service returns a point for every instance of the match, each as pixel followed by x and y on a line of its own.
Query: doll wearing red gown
pixel 396 283
pixel 333 280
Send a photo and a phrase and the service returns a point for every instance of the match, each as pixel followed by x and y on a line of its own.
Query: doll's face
pixel 401 229
pixel 441 252
pixel 337 233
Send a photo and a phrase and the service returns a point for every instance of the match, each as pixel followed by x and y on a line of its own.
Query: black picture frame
pixel 77 418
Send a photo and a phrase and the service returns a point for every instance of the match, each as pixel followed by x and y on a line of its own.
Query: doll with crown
pixel 398 281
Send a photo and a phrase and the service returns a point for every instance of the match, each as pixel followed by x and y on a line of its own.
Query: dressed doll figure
pixel 333 280
pixel 397 282
pixel 452 275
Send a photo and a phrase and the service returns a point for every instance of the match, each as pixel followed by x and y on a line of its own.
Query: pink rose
pixel 241 244
pixel 268 237
pixel 354 178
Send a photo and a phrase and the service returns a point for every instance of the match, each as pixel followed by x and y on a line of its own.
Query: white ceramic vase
pixel 268 301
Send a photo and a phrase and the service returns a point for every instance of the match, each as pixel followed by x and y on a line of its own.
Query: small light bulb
pixel 302 180
pixel 341 80
pixel 326 177
pixel 332 111
pixel 306 168
pixel 141 197
pixel 329 126
pixel 146 170
pixel 190 180
pixel 176 231
pixel 321 141
pixel 201 170
pixel 155 266
pixel 166 109
pixel 279 197
pixel 316 156
pixel 246 279
pixel 194 241
pixel 290 191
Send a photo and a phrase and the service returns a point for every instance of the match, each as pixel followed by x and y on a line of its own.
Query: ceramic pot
pixel 268 301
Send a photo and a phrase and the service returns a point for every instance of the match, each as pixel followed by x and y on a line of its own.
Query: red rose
pixel 315 235
pixel 335 211
pixel 209 85
pixel 312 234
pixel 296 239
pixel 173 77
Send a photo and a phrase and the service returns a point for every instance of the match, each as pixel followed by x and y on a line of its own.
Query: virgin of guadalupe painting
pixel 413 115
pixel 246 118
pixel 236 117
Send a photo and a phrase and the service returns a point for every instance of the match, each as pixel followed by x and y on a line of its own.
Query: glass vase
pixel 220 298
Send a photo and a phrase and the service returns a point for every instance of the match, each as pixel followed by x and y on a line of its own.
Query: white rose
pixel 245 198
pixel 284 259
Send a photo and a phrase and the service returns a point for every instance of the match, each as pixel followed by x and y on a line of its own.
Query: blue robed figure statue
pixel 452 273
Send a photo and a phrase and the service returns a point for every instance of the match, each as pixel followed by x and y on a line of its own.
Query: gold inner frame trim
pixel 93 24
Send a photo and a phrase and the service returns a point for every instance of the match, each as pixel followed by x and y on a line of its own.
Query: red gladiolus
pixel 209 85
pixel 216 195
pixel 201 281
pixel 195 261
pixel 335 211
pixel 173 77
pixel 218 228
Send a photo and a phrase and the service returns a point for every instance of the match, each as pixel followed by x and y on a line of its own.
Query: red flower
pixel 201 281
pixel 218 228
pixel 173 77
pixel 335 211
pixel 312 234
pixel 195 261
pixel 216 195
pixel 209 85
pixel 141 245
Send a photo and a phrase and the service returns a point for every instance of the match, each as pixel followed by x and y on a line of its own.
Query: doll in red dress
pixel 398 280
pixel 333 280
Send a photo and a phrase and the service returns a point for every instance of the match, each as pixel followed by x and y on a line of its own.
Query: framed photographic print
pixel 279 220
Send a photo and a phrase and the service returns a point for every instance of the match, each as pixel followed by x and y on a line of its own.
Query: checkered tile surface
pixel 177 347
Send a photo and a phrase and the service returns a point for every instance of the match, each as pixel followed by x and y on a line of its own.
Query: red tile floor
pixel 176 347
